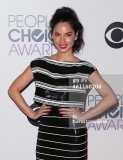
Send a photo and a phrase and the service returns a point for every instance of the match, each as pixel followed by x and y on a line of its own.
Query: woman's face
pixel 63 37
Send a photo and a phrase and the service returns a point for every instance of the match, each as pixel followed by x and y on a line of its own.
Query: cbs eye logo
pixel 114 35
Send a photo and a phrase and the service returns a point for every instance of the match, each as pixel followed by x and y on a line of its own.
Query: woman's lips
pixel 62 46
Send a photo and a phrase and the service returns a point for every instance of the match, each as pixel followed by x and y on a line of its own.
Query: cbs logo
pixel 114 35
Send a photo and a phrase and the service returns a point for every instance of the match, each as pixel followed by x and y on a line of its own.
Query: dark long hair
pixel 66 14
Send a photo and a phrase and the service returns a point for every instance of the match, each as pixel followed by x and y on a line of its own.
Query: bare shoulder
pixel 95 77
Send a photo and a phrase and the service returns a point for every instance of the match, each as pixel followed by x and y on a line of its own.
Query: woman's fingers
pixel 64 111
pixel 44 109
pixel 72 112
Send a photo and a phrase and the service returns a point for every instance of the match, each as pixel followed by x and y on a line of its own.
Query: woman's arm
pixel 108 96
pixel 14 92
pixel 17 86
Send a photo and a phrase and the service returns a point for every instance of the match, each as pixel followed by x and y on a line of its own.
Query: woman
pixel 59 102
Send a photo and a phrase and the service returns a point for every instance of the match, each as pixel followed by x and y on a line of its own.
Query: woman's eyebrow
pixel 68 32
pixel 65 33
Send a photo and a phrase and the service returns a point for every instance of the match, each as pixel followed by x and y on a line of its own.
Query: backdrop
pixel 25 36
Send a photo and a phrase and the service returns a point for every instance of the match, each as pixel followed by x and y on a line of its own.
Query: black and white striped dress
pixel 61 84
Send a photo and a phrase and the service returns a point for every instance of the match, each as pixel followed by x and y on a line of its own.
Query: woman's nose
pixel 62 39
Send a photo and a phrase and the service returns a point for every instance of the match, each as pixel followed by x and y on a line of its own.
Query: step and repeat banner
pixel 24 36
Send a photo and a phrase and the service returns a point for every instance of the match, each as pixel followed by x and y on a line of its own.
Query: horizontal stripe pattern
pixel 57 75
pixel 58 88
pixel 54 81
pixel 57 141
pixel 56 157
pixel 58 137
pixel 57 103
pixel 67 122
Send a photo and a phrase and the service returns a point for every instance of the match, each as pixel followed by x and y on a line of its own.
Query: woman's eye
pixel 56 34
pixel 68 35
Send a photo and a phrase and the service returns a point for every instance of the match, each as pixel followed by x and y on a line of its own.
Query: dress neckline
pixel 65 62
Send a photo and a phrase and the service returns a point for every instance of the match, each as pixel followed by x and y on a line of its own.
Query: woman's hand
pixel 43 110
pixel 71 112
